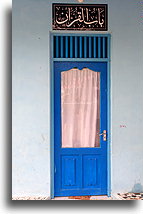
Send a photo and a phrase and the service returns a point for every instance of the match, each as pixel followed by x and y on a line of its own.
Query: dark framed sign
pixel 80 17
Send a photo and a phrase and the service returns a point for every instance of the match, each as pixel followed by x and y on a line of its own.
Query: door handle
pixel 104 135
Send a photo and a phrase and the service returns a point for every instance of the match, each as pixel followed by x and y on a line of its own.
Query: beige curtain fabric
pixel 80 108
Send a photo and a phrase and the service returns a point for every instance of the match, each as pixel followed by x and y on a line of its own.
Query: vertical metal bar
pixel 61 40
pixel 71 46
pixel 94 44
pixel 80 47
pixel 75 46
pixel 85 47
pixel 90 49
pixel 108 47
pixel 66 47
pixel 99 47
pixel 57 47
pixel 103 47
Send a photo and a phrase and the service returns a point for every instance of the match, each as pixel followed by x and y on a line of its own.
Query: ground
pixel 119 196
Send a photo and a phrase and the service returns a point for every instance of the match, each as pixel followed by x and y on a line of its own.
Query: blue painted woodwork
pixel 80 171
pixel 82 46
pixel 109 119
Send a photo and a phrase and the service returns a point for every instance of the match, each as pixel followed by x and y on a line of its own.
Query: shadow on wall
pixel 137 188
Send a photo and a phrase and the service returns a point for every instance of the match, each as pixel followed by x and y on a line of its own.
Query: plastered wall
pixel 31 25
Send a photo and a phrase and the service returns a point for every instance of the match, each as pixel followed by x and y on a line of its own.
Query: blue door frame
pixel 107 60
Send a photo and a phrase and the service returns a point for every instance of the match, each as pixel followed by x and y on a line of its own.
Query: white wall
pixel 31 90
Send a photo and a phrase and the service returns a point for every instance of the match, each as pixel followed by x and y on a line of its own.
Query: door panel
pixel 90 171
pixel 70 166
pixel 79 170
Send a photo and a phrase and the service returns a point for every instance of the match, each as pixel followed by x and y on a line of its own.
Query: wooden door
pixel 80 170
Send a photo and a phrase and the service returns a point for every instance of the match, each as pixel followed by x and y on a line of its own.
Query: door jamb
pixel 52 167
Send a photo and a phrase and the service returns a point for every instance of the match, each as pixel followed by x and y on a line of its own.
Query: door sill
pixel 100 197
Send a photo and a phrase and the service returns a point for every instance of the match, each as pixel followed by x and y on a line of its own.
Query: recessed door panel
pixel 70 166
pixel 90 171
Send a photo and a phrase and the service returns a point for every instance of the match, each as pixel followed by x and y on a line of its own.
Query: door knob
pixel 104 135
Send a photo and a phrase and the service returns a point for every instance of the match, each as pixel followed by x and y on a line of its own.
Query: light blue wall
pixel 31 126
pixel 31 91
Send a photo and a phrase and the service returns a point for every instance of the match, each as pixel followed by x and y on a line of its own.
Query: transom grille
pixel 81 47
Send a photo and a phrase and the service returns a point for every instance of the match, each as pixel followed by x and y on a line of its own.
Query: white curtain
pixel 80 104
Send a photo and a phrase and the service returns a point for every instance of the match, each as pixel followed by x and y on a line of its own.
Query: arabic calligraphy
pixel 83 17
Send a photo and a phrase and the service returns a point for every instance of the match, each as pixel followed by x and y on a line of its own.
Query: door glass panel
pixel 80 108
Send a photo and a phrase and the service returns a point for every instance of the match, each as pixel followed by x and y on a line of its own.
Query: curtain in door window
pixel 80 108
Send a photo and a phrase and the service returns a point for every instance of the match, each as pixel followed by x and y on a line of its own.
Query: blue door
pixel 80 167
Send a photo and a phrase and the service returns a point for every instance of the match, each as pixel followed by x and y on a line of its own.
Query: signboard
pixel 80 17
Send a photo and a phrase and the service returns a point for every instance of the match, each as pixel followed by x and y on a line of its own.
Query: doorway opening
pixel 80 114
